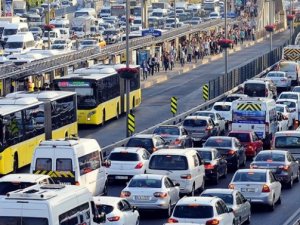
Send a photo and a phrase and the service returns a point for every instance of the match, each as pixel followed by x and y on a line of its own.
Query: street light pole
pixel 175 13
pixel 49 24
pixel 127 81
pixel 270 22
pixel 226 36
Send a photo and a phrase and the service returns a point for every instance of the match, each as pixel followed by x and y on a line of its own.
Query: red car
pixel 250 140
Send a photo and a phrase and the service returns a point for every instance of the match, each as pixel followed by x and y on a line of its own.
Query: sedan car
pixel 259 186
pixel 235 200
pixel 230 148
pixel 287 113
pixel 218 120
pixel 151 191
pixel 215 165
pixel 127 162
pixel 177 136
pixel 150 142
pixel 249 140
pixel 280 79
pixel 281 163
pixel 112 36
pixel 118 211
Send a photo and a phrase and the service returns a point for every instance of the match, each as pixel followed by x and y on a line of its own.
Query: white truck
pixel 19 7
pixel 81 26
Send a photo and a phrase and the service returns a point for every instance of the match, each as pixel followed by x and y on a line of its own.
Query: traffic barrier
pixel 173 105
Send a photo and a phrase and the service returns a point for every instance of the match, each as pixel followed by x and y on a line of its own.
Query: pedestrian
pixel 182 57
pixel 242 36
pixel 190 53
pixel 150 66
pixel 145 69
pixel 157 63
pixel 171 61
pixel 197 52
pixel 166 61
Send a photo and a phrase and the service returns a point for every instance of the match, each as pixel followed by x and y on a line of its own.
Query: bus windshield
pixel 85 93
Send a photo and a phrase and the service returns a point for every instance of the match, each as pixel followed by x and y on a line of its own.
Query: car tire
pixel 248 221
pixel 168 211
pixel 297 177
pixel 291 183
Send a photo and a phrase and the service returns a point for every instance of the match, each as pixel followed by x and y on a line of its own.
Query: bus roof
pixel 90 76
pixel 41 95
pixel 8 106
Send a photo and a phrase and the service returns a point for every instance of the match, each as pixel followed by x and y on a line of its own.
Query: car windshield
pixel 222 107
pixel 218 142
pixel 287 103
pixel 110 32
pixel 59 42
pixel 270 156
pixel 194 123
pixel 145 183
pixel 250 176
pixel 255 90
pixel 227 198
pixel 88 42
pixel 123 156
pixel 275 75
pixel 140 142
pixel 14 220
pixel 8 186
pixel 8 32
pixel 57 47
pixel 14 45
pixel 288 96
pixel 242 137
pixel 104 209
pixel 205 155
pixel 168 162
pixel 193 211
pixel 287 142
pixel 166 131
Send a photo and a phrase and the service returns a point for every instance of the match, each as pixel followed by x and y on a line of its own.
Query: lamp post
pixel 175 24
pixel 225 31
pixel 48 24
pixel 291 22
pixel 127 81
pixel 270 22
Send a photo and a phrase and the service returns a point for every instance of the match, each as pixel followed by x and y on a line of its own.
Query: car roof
pixel 23 177
pixel 148 176
pixel 197 118
pixel 219 190
pixel 144 136
pixel 223 103
pixel 172 126
pixel 273 150
pixel 168 151
pixel 288 132
pixel 127 149
pixel 252 170
pixel 205 149
pixel 241 131
pixel 221 137
pixel 197 200
pixel 106 200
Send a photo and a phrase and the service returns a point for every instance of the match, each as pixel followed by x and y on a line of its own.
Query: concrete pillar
pixel 176 43
pixel 66 71
pixel 52 76
pixel 144 10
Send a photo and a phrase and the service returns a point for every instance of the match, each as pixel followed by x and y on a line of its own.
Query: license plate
pixel 142 198
pixel 247 189
pixel 122 177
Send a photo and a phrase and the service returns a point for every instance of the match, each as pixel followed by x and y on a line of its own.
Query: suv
pixel 150 142
pixel 260 88
pixel 202 210
pixel 200 127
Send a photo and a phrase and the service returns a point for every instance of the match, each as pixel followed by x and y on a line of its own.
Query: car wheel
pixel 279 200
pixel 248 221
pixel 297 177
pixel 272 206
pixel 290 184
pixel 168 211
pixel 137 221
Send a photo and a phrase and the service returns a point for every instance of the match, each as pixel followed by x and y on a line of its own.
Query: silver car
pixel 233 199
pixel 259 186
pixel 218 120
pixel 151 191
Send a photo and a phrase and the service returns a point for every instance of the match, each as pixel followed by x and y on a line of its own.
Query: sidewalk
pixel 163 76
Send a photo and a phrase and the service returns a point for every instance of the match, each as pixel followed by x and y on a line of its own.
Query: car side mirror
pixel 217 124
pixel 100 218
pixel 106 163
pixel 177 185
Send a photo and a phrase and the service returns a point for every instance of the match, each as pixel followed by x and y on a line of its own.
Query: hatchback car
pixel 215 165
pixel 224 109
pixel 287 113
pixel 202 210
pixel 230 148
pixel 200 127
pixel 218 120
pixel 118 211
pixel 280 79
pixel 259 186
pixel 127 162
pixel 151 191
pixel 281 163
pixel 177 136
pixel 235 200
pixel 249 140
pixel 150 142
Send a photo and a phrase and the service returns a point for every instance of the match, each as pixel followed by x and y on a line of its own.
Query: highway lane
pixel 155 106
pixel 260 215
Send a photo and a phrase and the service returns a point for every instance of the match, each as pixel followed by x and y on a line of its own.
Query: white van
pixel 259 88
pixel 255 114
pixel 183 166
pixel 49 205
pixel 160 13
pixel 19 43
pixel 13 28
pixel 86 12
pixel 54 34
pixel 288 140
pixel 72 161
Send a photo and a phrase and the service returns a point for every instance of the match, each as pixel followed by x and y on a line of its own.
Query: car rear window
pixel 287 103
pixel 194 123
pixel 231 98
pixel 255 90
pixel 216 142
pixel 104 209
pixel 287 142
pixel 287 67
pixel 275 75
pixel 250 177
pixel 140 142
pixel 193 211
pixel 270 156
pixel 124 156
pixel 242 137
pixel 168 162
pixel 222 107
pixel 43 164
pixel 227 198
pixel 147 183
pixel 289 96
pixel 166 130
pixel 205 155
pixel 6 187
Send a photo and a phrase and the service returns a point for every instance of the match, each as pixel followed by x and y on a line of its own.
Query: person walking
pixel 166 61
pixel 150 66
pixel 182 57
pixel 242 36
pixel 145 69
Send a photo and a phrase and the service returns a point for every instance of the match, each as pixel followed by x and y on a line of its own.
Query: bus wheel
pixel 118 111
pixel 66 134
pixel 103 118
pixel 15 163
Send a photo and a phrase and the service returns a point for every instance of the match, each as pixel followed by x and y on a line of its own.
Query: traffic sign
pixel 174 105
pixel 205 92
pixel 131 123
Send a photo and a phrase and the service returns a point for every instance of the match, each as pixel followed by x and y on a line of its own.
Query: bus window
pixel 12 128
pixel 43 164
pixel 63 112
pixel 89 162
pixel 64 165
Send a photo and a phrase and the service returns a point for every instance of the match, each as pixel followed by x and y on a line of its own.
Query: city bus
pixel 100 92
pixel 26 121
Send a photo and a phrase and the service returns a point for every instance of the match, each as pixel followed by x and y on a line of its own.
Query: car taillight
pixel 267 127
pixel 125 194
pixel 113 219
pixel 177 142
pixel 265 188
pixel 139 165
pixel 250 147
pixel 253 166
pixel 208 128
pixel 231 152
pixel 77 183
pixel 154 149
pixel 212 222
pixel 172 220
pixel 160 194
pixel 231 186
pixel 284 168
pixel 186 176
pixel 209 166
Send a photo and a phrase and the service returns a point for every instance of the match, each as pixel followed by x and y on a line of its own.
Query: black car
pixel 215 165
pixel 230 148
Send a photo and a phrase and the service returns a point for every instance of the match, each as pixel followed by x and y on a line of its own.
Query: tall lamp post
pixel 127 81
pixel 49 23
pixel 175 17
pixel 226 36
pixel 270 22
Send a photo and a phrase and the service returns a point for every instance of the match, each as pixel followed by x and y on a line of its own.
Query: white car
pixel 282 122
pixel 257 185
pixel 218 120
pixel 202 210
pixel 293 106
pixel 224 109
pixel 233 97
pixel 280 79
pixel 214 15
pixel 286 112
pixel 151 191
pixel 118 211
pixel 127 162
